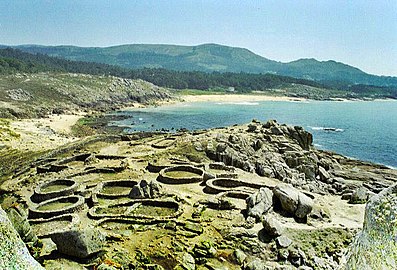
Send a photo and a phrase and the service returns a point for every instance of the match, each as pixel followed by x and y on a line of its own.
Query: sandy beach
pixel 43 133
pixel 237 98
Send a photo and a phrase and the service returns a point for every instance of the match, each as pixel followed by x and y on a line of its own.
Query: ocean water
pixel 362 130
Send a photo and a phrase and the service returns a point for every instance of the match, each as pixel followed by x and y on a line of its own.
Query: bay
pixel 363 130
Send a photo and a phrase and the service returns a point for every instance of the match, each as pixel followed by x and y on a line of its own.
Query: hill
pixel 15 61
pixel 212 57
pixel 36 95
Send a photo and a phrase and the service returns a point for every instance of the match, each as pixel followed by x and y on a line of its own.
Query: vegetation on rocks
pixel 38 94
pixel 270 82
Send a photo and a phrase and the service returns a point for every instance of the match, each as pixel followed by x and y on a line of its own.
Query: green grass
pixel 196 92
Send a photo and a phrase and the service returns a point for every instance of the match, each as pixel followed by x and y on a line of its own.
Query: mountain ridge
pixel 212 57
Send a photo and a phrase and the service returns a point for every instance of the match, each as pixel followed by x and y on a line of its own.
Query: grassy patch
pixel 196 92
pixel 322 241
pixel 12 160
pixel 81 128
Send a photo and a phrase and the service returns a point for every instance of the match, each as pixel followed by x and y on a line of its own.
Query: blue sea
pixel 365 130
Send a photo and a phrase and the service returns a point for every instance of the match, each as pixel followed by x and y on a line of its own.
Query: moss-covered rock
pixel 376 246
pixel 13 252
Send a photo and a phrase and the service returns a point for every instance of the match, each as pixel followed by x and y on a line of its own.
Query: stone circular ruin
pixel 45 227
pixel 141 209
pixel 115 188
pixel 238 194
pixel 57 206
pixel 222 171
pixel 218 185
pixel 53 189
pixel 183 174
pixel 164 143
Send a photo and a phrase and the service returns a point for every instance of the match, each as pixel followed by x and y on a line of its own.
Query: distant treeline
pixel 14 60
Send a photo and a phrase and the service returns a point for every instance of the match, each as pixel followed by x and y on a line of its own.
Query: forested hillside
pixel 213 58
pixel 13 60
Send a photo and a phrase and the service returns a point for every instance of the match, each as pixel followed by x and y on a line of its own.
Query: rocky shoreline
pixel 255 196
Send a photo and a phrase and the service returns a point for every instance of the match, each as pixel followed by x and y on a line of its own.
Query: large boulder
pixel 360 195
pixel 80 243
pixel 259 203
pixel 146 190
pixel 375 247
pixel 19 220
pixel 293 201
pixel 13 252
pixel 272 226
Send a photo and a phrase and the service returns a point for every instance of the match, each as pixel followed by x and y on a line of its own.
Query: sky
pixel 361 33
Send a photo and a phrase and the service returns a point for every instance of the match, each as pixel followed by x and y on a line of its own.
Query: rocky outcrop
pixel 272 226
pixel 375 247
pixel 19 220
pixel 259 203
pixel 293 201
pixel 146 190
pixel 13 252
pixel 285 153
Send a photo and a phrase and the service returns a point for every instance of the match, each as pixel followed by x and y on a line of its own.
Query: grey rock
pixel 153 266
pixel 136 192
pixel 375 247
pixel 358 196
pixel 293 201
pixel 305 206
pixel 204 249
pixel 193 227
pixel 104 266
pixel 256 264
pixel 80 243
pixel 270 123
pixel 297 257
pixel 283 241
pixel 240 256
pixel 155 189
pixel 146 189
pixel 346 196
pixel 288 197
pixel 188 261
pixel 272 226
pixel 324 175
pixel 13 252
pixel 283 254
pixel 19 220
pixel 259 203
pixel 304 267
pixel 276 130
pixel 198 146
pixel 252 127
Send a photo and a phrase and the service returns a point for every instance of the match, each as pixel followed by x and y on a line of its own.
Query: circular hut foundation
pixel 53 189
pixel 182 174
pixel 115 188
pixel 142 209
pixel 164 143
pixel 46 227
pixel 217 185
pixel 57 206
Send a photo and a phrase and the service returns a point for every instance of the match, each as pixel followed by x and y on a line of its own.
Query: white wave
pixel 327 129
pixel 317 145
pixel 246 103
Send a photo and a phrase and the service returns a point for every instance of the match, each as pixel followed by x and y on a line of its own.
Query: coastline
pixel 53 131
pixel 237 98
